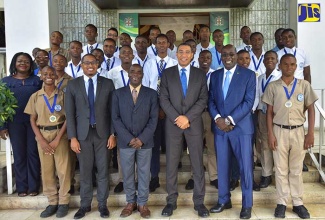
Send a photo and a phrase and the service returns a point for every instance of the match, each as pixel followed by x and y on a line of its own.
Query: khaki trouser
pixel 266 152
pixel 288 160
pixel 59 163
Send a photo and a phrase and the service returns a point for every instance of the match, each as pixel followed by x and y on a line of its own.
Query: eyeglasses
pixel 87 63
pixel 23 62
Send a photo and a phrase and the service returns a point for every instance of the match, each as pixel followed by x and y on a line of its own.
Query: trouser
pixel 159 137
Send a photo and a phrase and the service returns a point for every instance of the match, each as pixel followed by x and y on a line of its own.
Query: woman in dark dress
pixel 23 84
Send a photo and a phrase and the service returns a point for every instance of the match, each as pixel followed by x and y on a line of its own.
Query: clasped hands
pixel 220 122
pixel 136 143
pixel 182 122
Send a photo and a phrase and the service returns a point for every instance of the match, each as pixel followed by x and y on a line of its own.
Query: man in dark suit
pixel 88 112
pixel 135 117
pixel 231 98
pixel 183 97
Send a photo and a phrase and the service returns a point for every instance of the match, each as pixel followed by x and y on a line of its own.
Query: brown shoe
pixel 129 208
pixel 144 211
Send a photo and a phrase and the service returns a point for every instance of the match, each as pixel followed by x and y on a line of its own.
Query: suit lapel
pixel 233 82
pixel 191 82
pixel 141 97
pixel 99 87
pixel 220 80
pixel 128 96
pixel 83 88
pixel 178 80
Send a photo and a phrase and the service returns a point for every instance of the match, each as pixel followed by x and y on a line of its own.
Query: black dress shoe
pixel 256 187
pixel 233 184
pixel 104 213
pixel 202 211
pixel 265 181
pixel 168 210
pixel 81 212
pixel 119 187
pixel 220 207
pixel 304 168
pixel 280 211
pixel 154 184
pixel 246 213
pixel 190 184
pixel 71 191
pixel 214 183
pixel 301 211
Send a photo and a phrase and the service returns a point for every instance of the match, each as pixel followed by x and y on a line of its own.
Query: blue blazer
pixel 238 102
pixel 135 120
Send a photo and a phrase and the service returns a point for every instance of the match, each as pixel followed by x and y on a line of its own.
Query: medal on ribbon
pixel 52 117
pixel 288 103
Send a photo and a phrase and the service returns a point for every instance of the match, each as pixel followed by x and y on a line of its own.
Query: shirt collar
pixel 159 58
pixel 187 68
pixel 42 92
pixel 290 49
pixel 86 78
pixel 232 70
pixel 137 88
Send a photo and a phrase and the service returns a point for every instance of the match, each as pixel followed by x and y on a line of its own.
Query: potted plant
pixel 8 103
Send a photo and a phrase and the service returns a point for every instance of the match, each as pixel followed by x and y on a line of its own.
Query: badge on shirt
pixel 300 97
pixel 52 118
pixel 57 108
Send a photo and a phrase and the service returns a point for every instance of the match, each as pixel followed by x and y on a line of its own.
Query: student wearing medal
pixel 48 122
pixel 286 99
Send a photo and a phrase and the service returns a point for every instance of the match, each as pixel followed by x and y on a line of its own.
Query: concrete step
pixel 314 193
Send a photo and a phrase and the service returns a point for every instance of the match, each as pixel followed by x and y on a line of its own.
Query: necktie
pixel 91 48
pixel 226 84
pixel 161 67
pixel 108 62
pixel 91 100
pixel 184 81
pixel 248 48
pixel 134 95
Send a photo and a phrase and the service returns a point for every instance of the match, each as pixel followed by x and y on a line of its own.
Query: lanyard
pixel 208 75
pixel 292 91
pixel 50 58
pixel 74 76
pixel 153 50
pixel 122 75
pixel 219 60
pixel 294 53
pixel 93 49
pixel 160 72
pixel 116 49
pixel 259 62
pixel 51 108
pixel 192 64
pixel 144 62
pixel 267 82
pixel 60 84
pixel 112 64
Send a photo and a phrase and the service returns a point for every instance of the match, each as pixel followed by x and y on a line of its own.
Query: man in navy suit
pixel 135 117
pixel 231 98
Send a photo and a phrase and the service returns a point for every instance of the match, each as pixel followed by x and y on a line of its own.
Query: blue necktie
pixel 184 81
pixel 91 100
pixel 226 85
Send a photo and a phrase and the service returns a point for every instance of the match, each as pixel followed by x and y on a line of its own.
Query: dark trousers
pixel 93 150
pixel 26 159
pixel 159 140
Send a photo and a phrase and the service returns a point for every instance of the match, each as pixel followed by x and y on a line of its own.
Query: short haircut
pixel 126 46
pixel 286 56
pixel 241 29
pixel 113 29
pixel 48 67
pixel 75 42
pixel 217 30
pixel 254 34
pixel 98 50
pixel 242 52
pixel 111 40
pixel 142 36
pixel 58 33
pixel 154 28
pixel 204 26
pixel 269 52
pixel 60 55
pixel 289 30
pixel 162 35
pixel 187 31
pixel 91 26
pixel 205 51
pixel 184 44
pixel 126 34
pixel 190 40
pixel 278 30
pixel 87 55
pixel 12 67
pixel 41 50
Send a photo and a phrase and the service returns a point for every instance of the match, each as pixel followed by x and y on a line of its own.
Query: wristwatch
pixel 227 122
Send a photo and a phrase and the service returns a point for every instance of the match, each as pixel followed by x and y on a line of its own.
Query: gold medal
pixel 288 104
pixel 52 118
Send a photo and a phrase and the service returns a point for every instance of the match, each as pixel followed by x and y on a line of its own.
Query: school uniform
pixel 290 153
pixel 199 47
pixel 117 53
pixel 63 82
pixel 59 163
pixel 266 152
pixel 172 53
pixel 110 62
pixel 73 71
pixel 216 59
pixel 102 72
pixel 138 60
pixel 195 63
pixel 302 59
pixel 87 49
pixel 152 50
pixel 61 51
pixel 244 46
pixel 119 77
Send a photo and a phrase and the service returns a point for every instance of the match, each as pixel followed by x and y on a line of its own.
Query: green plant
pixel 8 103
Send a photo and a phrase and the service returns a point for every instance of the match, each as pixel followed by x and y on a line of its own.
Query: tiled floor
pixel 182 212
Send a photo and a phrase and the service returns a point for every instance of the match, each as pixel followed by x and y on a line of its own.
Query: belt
pixel 93 126
pixel 288 126
pixel 50 128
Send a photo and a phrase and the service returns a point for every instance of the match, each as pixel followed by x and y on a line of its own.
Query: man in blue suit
pixel 231 98
pixel 135 117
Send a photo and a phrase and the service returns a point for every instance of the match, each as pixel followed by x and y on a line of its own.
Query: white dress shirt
pixel 243 46
pixel 119 77
pixel 137 60
pixel 86 48
pixel 208 76
pixel 114 62
pixel 199 48
pixel 72 70
pixel 86 80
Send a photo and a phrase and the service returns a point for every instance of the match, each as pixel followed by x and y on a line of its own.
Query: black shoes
pixel 103 211
pixel 168 210
pixel 71 191
pixel 256 187
pixel 49 211
pixel 214 183
pixel 245 213
pixel 81 212
pixel 190 184
pixel 154 184
pixel 265 181
pixel 233 184
pixel 301 211
pixel 119 187
pixel 304 168
pixel 220 207
pixel 279 211
pixel 202 211
pixel 62 211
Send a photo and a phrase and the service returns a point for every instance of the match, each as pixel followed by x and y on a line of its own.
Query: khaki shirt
pixel 302 97
pixel 37 106
pixel 62 51
pixel 64 79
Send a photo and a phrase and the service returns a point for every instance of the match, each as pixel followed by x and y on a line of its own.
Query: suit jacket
pixel 239 99
pixel 77 108
pixel 135 120
pixel 173 103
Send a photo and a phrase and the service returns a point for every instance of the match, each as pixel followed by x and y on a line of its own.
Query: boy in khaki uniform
pixel 287 99
pixel 59 64
pixel 49 125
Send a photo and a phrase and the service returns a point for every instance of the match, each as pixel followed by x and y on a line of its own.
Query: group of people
pixel 82 102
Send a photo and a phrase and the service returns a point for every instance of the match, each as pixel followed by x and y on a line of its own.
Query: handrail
pixel 2 50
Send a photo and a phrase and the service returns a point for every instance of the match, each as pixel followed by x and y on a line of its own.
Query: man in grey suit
pixel 88 113
pixel 183 97
pixel 135 117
